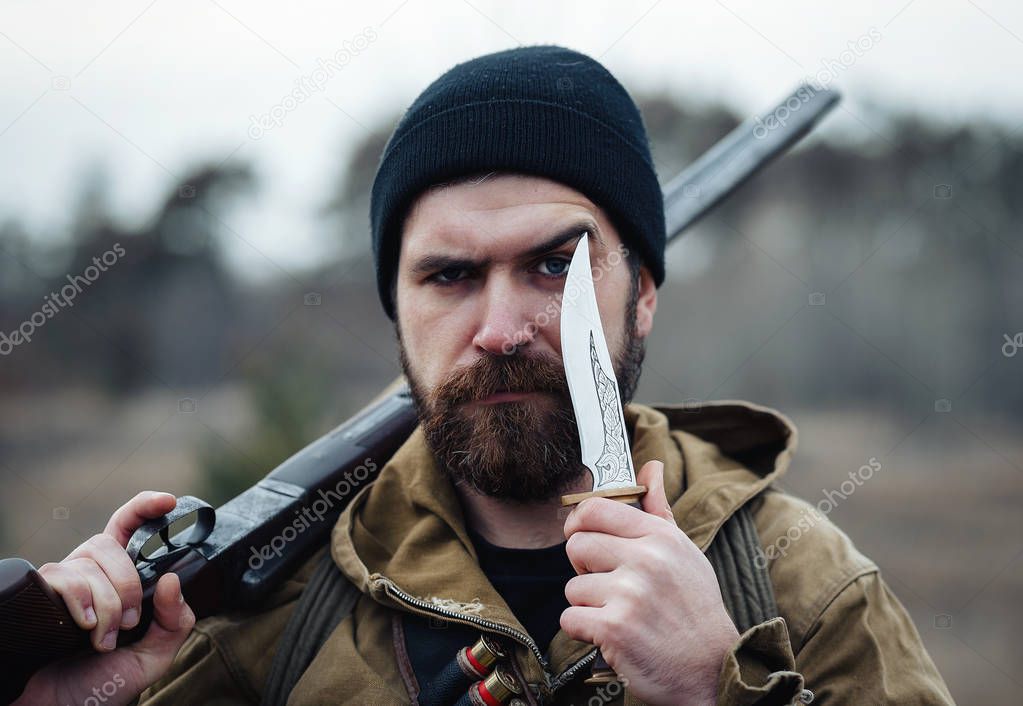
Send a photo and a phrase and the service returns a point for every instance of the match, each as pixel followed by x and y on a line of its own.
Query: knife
pixel 603 437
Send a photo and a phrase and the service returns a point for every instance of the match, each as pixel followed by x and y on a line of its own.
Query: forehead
pixel 499 216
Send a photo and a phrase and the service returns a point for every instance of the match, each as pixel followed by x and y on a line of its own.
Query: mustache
pixel 492 373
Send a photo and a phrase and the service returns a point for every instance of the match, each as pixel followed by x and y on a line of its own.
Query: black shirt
pixel 531 581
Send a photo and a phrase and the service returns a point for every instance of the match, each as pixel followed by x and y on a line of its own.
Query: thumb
pixel 655 501
pixel 172 622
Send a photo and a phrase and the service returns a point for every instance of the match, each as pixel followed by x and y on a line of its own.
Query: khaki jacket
pixel 841 633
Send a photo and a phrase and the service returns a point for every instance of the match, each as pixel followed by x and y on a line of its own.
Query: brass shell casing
pixel 486 651
pixel 502 685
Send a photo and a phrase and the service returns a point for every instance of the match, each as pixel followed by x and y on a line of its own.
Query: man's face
pixel 480 275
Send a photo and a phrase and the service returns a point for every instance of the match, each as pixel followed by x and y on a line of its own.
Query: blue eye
pixel 554 266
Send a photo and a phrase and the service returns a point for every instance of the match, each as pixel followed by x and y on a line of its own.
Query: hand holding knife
pixel 644 594
pixel 603 436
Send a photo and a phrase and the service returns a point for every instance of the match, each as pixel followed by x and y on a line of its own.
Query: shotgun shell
pixel 470 665
pixel 483 655
pixel 498 688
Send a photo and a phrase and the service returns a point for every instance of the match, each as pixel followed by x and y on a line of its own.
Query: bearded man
pixel 481 196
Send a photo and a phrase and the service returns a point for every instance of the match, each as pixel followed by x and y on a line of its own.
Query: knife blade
pixel 603 436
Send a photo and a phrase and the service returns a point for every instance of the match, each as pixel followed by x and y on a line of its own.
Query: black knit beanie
pixel 545 111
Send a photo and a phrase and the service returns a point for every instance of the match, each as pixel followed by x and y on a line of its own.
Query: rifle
pixel 234 556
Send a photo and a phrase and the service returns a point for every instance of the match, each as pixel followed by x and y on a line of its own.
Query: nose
pixel 504 324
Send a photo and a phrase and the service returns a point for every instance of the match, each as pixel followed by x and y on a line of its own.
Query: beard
pixel 526 450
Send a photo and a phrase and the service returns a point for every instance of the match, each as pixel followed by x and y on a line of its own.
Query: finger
pixel 105 601
pixel 129 517
pixel 655 502
pixel 170 612
pixel 173 620
pixel 610 517
pixel 581 623
pixel 593 590
pixel 596 552
pixel 74 590
pixel 120 571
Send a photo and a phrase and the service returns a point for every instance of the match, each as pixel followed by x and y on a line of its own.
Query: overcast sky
pixel 150 88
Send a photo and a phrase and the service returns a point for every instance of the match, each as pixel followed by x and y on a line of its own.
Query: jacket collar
pixel 407 529
pixel 731 451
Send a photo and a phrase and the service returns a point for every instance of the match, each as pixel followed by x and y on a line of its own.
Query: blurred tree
pixel 348 206
pixel 160 310
pixel 289 390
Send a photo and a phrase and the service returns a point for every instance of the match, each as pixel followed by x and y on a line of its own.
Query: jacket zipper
pixel 569 674
pixel 521 637
pixel 553 684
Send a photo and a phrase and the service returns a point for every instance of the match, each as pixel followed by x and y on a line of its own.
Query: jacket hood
pixel 731 451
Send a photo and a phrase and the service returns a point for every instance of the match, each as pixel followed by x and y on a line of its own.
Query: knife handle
pixel 601 672
pixel 629 495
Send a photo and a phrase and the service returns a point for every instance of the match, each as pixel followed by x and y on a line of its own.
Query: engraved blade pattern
pixel 613 464
pixel 603 436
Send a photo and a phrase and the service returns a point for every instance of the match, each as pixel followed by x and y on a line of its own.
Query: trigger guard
pixel 205 519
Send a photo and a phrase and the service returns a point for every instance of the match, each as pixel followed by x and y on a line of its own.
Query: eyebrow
pixel 435 263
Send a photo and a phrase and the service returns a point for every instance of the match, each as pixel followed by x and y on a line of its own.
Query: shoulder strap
pixel 327 599
pixel 737 558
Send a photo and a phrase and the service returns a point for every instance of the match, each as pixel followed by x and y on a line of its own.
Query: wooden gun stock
pixel 37 628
